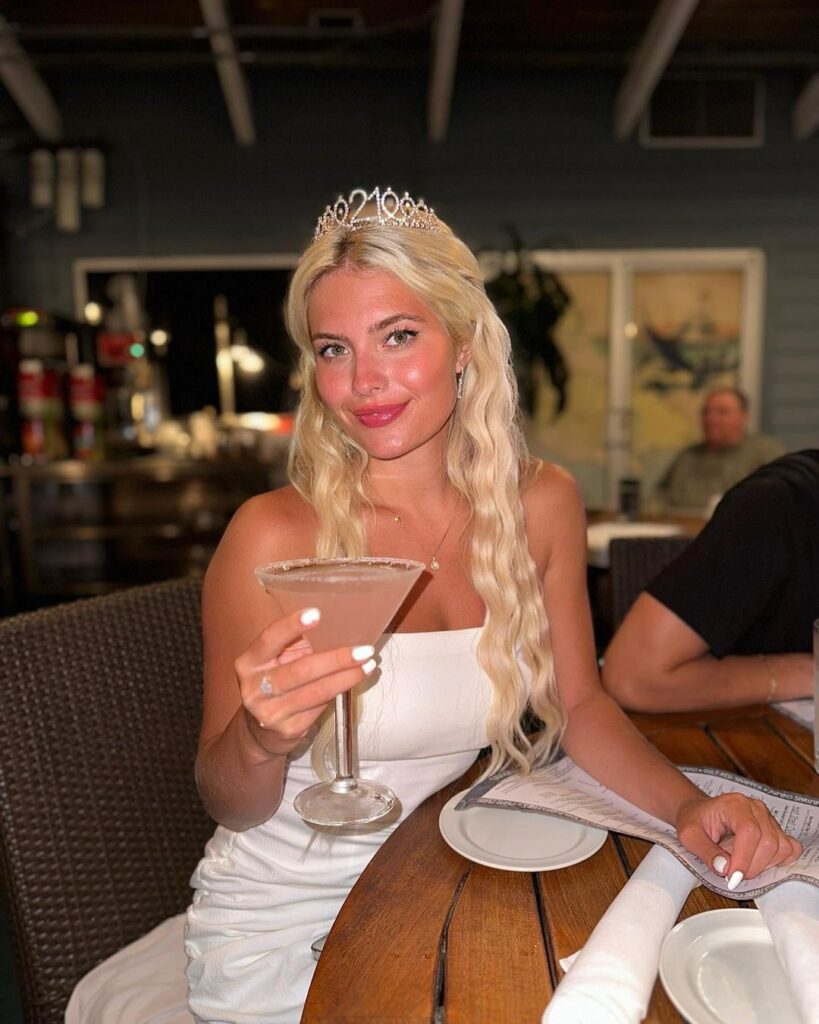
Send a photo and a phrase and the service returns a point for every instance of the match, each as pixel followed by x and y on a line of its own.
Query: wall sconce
pixel 66 180
pixel 67 192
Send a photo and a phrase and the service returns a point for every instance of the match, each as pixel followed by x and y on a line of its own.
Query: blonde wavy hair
pixel 486 463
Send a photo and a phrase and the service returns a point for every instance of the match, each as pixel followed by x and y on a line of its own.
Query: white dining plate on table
pixel 517 840
pixel 720 967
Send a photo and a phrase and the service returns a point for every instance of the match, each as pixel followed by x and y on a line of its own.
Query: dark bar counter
pixel 71 528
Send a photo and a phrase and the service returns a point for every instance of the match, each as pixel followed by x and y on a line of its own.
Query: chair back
pixel 101 825
pixel 633 564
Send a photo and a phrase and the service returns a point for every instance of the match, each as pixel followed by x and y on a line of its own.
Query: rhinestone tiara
pixel 390 211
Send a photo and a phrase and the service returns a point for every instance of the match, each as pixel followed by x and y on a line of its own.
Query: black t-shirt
pixel 749 583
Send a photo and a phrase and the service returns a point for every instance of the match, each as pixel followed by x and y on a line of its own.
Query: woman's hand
pixel 285 686
pixel 738 837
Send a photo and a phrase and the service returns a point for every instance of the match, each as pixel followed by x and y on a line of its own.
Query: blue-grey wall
pixel 530 149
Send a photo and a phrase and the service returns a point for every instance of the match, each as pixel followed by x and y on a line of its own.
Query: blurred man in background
pixel 700 474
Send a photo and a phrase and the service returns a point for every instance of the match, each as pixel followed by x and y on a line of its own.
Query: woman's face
pixel 385 364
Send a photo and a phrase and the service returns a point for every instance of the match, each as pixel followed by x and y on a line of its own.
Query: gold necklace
pixel 434 565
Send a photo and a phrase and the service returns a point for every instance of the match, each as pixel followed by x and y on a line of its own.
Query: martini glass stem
pixel 357 598
pixel 344 780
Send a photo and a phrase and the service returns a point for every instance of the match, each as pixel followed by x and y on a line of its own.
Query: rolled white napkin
pixel 791 913
pixel 611 979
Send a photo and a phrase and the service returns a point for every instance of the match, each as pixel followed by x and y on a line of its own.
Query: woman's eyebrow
pixel 376 327
pixel 389 320
pixel 326 336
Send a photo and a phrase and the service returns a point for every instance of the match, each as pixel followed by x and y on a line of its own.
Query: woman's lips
pixel 379 415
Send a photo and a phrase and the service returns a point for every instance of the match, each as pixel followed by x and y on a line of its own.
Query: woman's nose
pixel 367 377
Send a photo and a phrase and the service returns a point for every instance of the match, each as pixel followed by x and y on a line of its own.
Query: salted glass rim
pixel 290 564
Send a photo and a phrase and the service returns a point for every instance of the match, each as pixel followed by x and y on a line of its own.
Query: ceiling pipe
pixel 27 88
pixel 667 24
pixel 806 110
pixel 447 32
pixel 231 74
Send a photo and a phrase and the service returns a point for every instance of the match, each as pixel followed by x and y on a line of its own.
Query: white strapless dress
pixel 265 895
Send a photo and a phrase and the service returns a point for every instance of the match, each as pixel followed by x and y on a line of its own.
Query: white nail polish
pixel 309 616
pixel 362 653
pixel 368 666
pixel 720 864
pixel 735 879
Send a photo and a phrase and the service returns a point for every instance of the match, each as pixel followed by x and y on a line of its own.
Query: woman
pixel 406 444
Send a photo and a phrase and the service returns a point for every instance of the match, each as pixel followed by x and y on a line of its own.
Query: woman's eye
pixel 401 337
pixel 331 351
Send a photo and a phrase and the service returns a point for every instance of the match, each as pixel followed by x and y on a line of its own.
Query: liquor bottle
pixel 628 498
pixel 42 411
pixel 85 400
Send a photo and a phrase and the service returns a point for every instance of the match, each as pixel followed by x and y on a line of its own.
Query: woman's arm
pixel 248 730
pixel 598 735
pixel 657 662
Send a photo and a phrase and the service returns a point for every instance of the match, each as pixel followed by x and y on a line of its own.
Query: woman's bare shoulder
pixel 284 505
pixel 553 510
pixel 549 487
pixel 269 527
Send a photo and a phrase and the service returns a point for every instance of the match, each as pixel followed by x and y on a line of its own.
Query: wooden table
pixel 690 522
pixel 427 937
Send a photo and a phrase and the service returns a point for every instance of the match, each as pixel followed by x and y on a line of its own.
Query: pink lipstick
pixel 378 415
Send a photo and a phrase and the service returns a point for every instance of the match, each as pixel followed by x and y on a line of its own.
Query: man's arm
pixel 656 662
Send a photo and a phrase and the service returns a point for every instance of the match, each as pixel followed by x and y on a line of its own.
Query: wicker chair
pixel 634 562
pixel 100 822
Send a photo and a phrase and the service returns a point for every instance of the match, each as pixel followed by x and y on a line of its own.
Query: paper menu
pixel 564 789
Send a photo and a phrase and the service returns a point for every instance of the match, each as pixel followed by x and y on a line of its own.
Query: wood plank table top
pixel 690 522
pixel 428 937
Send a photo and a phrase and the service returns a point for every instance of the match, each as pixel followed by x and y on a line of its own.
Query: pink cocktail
pixel 357 598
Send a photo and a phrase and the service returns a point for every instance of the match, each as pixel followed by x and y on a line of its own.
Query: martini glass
pixel 357 598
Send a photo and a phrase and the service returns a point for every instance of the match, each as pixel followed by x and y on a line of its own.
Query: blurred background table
pixel 604 527
pixel 427 936
pixel 76 529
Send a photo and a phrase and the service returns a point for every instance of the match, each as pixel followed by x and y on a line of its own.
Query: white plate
pixel 720 967
pixel 517 840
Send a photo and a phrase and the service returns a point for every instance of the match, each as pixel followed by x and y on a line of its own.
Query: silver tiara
pixel 391 211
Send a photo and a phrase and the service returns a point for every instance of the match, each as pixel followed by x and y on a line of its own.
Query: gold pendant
pixel 434 564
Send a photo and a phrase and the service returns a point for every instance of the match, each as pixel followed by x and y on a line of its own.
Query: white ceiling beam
pixel 231 73
pixel 806 110
pixel 447 32
pixel 27 88
pixel 668 22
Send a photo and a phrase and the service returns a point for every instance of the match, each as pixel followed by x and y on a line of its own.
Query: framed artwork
pixel 642 337
pixel 577 438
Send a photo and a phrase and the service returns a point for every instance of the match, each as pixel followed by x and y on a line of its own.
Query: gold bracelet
pixel 766 661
